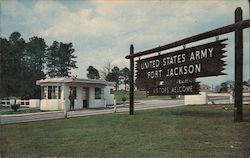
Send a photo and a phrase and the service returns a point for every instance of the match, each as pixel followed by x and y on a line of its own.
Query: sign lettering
pixel 200 61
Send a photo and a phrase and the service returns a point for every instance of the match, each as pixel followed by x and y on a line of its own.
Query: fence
pixel 31 103
pixel 214 98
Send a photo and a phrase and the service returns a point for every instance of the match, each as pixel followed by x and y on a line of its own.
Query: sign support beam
pixel 131 89
pixel 238 110
pixel 219 31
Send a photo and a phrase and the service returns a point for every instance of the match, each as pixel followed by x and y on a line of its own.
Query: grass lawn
pixel 139 95
pixel 9 111
pixel 190 131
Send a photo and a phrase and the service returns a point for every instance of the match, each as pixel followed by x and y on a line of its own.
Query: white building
pixel 88 93
pixel 122 85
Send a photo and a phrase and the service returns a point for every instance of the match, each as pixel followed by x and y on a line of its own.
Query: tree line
pixel 22 63
pixel 228 85
pixel 110 73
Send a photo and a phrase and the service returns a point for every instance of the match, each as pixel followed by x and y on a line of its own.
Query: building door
pixel 85 97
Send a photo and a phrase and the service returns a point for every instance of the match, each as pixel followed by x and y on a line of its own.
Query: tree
pixel 230 84
pixel 217 88
pixel 5 68
pixel 60 59
pixel 21 64
pixel 125 73
pixel 52 59
pixel 92 73
pixel 245 83
pixel 33 62
pixel 224 87
pixel 17 45
pixel 113 76
pixel 106 70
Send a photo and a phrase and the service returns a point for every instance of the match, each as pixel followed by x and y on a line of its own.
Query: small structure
pixel 88 93
pixel 205 88
pixel 122 84
pixel 246 89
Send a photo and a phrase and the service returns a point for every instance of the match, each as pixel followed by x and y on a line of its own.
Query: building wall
pixel 78 100
pixel 51 104
pixel 196 99
pixel 58 104
pixel 108 96
pixel 95 103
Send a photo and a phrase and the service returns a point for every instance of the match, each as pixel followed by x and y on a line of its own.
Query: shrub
pixel 15 107
pixel 173 96
pixel 124 99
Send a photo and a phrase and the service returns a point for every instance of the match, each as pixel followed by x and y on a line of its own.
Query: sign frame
pixel 236 27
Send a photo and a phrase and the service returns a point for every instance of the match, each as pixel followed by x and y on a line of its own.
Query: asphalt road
pixel 139 105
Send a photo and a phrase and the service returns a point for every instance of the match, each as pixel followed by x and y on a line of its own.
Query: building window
pixel 111 91
pixel 57 92
pixel 51 92
pixel 74 91
pixel 99 93
pixel 44 92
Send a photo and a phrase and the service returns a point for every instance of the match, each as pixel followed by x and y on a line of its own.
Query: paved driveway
pixel 139 105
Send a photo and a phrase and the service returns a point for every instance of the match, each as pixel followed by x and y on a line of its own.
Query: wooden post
pixel 131 89
pixel 238 111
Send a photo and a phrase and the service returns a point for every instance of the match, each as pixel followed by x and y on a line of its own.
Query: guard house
pixel 88 93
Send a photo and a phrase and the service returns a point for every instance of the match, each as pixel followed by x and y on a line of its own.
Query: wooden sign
pixel 175 87
pixel 200 61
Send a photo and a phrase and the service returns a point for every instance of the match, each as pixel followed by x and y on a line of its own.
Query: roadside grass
pixel 188 131
pixel 139 95
pixel 9 111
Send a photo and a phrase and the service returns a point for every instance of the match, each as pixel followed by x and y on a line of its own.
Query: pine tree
pixel 92 73
pixel 33 62
pixel 60 59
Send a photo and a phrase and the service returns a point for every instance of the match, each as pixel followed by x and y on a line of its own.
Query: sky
pixel 102 31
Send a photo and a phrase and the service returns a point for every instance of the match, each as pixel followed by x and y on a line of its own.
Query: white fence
pixel 31 103
pixel 214 98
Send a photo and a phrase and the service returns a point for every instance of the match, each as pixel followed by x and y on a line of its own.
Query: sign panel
pixel 175 87
pixel 200 61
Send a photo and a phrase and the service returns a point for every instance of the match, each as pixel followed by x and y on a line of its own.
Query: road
pixel 139 105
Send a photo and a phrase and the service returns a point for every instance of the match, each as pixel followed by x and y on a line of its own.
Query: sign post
pixel 238 111
pixel 131 88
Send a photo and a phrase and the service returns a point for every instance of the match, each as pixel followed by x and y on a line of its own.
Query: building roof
pixel 74 80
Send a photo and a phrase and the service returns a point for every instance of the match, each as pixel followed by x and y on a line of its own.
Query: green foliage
pixel 224 87
pixel 116 74
pixel 60 59
pixel 125 73
pixel 15 107
pixel 124 99
pixel 5 68
pixel 113 76
pixel 22 63
pixel 92 73
pixel 33 62
pixel 11 68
